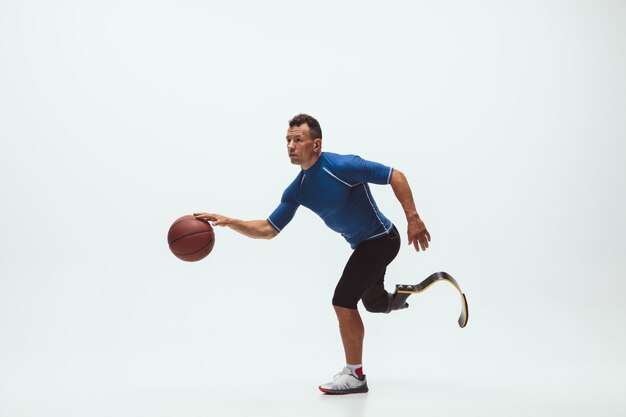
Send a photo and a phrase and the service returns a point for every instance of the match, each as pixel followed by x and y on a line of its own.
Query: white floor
pixel 458 372
pixel 288 393
pixel 173 343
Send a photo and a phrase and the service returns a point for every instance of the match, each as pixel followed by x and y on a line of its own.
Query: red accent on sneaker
pixel 359 372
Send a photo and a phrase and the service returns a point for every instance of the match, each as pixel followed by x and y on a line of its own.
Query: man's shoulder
pixel 336 160
pixel 354 169
pixel 290 193
pixel 293 185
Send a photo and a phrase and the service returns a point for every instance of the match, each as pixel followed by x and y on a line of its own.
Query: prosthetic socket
pixel 397 301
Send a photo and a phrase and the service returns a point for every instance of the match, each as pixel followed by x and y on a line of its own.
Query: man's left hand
pixel 418 235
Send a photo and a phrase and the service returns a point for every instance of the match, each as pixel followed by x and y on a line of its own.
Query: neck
pixel 311 162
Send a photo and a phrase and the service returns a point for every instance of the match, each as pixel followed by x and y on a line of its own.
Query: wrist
pixel 230 222
pixel 412 215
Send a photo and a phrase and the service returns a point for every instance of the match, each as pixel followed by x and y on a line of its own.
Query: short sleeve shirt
pixel 336 189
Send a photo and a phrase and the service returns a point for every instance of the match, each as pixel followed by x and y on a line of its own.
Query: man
pixel 336 188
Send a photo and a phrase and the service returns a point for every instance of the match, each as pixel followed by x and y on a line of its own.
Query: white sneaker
pixel 345 383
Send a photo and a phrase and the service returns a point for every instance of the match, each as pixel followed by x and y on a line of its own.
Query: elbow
pixel 270 232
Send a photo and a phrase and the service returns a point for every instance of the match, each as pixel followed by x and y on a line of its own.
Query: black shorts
pixel 363 277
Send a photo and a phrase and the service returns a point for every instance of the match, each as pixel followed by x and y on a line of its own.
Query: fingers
pixel 420 241
pixel 215 219
pixel 424 238
pixel 205 216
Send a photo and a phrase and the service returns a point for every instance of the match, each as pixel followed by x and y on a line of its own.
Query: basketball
pixel 190 239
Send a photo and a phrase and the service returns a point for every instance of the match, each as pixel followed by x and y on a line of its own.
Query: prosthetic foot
pixel 397 300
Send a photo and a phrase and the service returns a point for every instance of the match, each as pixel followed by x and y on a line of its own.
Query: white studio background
pixel 117 117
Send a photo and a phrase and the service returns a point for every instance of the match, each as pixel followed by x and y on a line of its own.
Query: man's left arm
pixel 417 233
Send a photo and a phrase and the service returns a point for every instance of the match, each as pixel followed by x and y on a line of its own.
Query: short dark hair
pixel 314 126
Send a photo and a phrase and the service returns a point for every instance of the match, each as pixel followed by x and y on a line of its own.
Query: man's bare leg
pixel 352 334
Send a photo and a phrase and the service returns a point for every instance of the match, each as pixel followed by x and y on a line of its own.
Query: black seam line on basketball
pixel 185 218
pixel 190 234
pixel 182 219
pixel 191 253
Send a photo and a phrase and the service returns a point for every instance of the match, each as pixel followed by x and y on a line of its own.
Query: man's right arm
pixel 256 229
pixel 260 229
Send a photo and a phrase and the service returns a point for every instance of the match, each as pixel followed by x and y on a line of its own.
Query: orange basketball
pixel 190 239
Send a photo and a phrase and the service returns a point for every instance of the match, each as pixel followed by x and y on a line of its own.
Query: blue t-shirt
pixel 336 189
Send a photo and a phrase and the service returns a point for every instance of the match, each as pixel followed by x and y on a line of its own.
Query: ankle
pixel 355 370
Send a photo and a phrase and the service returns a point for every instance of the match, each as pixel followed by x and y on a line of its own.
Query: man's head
pixel 304 119
pixel 304 140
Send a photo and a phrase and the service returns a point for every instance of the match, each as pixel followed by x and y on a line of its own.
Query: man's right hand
pixel 215 219
pixel 258 229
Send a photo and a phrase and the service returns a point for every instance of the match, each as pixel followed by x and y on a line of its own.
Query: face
pixel 302 150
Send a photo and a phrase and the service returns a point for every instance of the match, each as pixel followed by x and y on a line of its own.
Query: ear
pixel 317 144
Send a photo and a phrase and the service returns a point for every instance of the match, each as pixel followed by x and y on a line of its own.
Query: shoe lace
pixel 344 371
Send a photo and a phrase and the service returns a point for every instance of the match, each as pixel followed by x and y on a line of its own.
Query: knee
pixel 343 312
pixel 343 301
pixel 377 306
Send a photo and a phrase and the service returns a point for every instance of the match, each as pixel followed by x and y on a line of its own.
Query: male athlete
pixel 336 188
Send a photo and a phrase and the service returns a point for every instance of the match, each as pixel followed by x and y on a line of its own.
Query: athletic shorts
pixel 363 277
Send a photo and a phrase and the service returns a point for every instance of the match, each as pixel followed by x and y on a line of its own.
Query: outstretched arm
pixel 257 229
pixel 417 233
